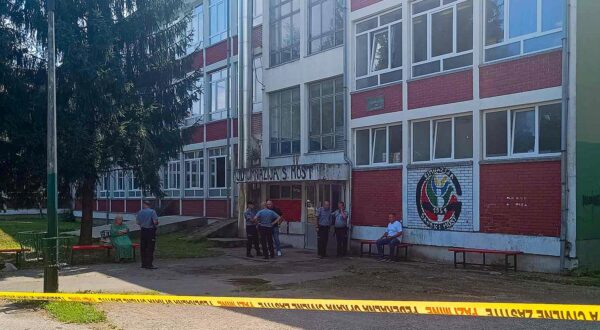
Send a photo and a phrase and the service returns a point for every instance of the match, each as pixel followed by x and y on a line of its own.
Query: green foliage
pixel 74 312
pixel 11 225
pixel 174 246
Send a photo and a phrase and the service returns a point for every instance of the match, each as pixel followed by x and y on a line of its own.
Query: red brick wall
pixel 218 130
pixel 257 125
pixel 192 207
pixel 443 89
pixel 117 205
pixel 102 205
pixel 520 198
pixel 375 194
pixel 392 96
pixel 170 206
pixel 216 52
pixel 291 208
pixel 257 36
pixel 133 206
pixel 217 208
pixel 358 4
pixel 197 60
pixel 196 134
pixel 521 75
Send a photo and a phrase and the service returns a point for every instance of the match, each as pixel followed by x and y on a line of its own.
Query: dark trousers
pixel 147 244
pixel 252 235
pixel 266 238
pixel 322 238
pixel 392 242
pixel 341 234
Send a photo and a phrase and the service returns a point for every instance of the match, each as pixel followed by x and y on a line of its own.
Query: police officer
pixel 323 224
pixel 251 231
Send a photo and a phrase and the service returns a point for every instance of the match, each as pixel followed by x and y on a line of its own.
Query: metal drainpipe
pixel 564 245
pixel 228 105
pixel 347 119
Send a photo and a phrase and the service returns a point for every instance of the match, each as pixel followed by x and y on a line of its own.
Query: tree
pixel 123 88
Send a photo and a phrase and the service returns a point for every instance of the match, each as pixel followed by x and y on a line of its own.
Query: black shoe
pixel 151 267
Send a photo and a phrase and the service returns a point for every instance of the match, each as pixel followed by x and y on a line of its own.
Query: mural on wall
pixel 438 194
pixel 441 198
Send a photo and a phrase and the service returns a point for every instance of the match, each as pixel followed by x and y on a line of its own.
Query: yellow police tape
pixel 508 310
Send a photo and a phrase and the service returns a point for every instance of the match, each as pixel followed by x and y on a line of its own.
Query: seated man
pixel 391 237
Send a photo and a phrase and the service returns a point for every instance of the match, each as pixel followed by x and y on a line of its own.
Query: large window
pixel 258 86
pixel 326 24
pixel 442 35
pixel 218 17
pixel 218 95
pixel 379 50
pixel 133 185
pixel 119 184
pixel 442 139
pixel 194 173
pixel 378 145
pixel 326 115
pixel 172 175
pixel 198 105
pixel 196 29
pixel 516 27
pixel 218 172
pixel 104 186
pixel 284 30
pixel 285 191
pixel 523 132
pixel 284 122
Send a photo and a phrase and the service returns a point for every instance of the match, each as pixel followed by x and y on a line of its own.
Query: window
pixel 378 145
pixel 198 105
pixel 218 172
pixel 326 24
pixel 285 192
pixel 133 185
pixel 442 36
pixel 523 132
pixel 516 27
pixel 284 38
pixel 258 84
pixel 284 122
pixel 119 184
pixel 194 173
pixel 327 115
pixel 379 50
pixel 218 17
pixel 196 29
pixel 258 8
pixel 218 95
pixel 442 139
pixel 104 186
pixel 172 175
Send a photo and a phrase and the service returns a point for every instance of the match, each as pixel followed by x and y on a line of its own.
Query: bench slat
pixel 14 250
pixel 484 251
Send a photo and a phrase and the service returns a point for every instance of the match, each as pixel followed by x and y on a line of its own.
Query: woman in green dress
pixel 120 240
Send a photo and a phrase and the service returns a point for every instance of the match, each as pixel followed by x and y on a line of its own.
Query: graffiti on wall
pixel 438 198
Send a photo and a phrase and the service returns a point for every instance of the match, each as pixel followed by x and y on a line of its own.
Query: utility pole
pixel 51 268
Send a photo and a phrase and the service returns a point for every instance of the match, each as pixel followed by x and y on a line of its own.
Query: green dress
pixel 121 243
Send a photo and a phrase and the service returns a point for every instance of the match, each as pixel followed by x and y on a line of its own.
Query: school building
pixel 474 120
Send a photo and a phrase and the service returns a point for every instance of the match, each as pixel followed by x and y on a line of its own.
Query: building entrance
pixel 316 194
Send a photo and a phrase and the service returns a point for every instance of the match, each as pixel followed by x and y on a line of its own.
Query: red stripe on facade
pixel 217 208
pixel 170 207
pixel 521 75
pixel 218 130
pixel 391 96
pixel 443 89
pixel 216 53
pixel 520 198
pixel 375 194
pixel 358 4
pixel 257 125
pixel 197 60
pixel 102 205
pixel 133 206
pixel 117 205
pixel 192 207
pixel 196 134
pixel 257 36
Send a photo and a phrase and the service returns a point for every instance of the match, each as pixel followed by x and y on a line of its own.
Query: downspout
pixel 347 149
pixel 228 106
pixel 565 246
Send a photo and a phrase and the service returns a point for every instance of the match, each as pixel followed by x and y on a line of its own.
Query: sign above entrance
pixel 288 173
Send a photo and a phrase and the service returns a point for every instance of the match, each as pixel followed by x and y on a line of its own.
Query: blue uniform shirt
pixel 324 216
pixel 249 216
pixel 266 217
pixel 146 217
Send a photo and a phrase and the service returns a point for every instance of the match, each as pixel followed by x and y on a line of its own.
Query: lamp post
pixel 51 268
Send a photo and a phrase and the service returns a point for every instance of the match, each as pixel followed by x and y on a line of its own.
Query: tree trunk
pixel 87 211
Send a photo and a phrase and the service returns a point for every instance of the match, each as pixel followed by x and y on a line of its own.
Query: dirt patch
pixel 253 284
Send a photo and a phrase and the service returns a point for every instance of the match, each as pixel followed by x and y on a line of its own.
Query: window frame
pixel 371 150
pixel 119 184
pixel 440 58
pixel 214 154
pixel 275 19
pixel 133 189
pixel 378 29
pixel 196 29
pixel 218 113
pixel 173 168
pixel 215 37
pixel 337 7
pixel 279 139
pixel 190 189
pixel 103 186
pixel 432 135
pixel 257 80
pixel 511 121
pixel 520 39
pixel 334 132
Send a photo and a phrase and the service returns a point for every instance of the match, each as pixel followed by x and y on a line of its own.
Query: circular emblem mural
pixel 438 194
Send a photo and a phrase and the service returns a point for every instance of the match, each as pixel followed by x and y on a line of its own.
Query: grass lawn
pixel 174 245
pixel 10 225
pixel 66 311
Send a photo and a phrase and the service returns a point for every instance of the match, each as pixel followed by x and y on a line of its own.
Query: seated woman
pixel 120 240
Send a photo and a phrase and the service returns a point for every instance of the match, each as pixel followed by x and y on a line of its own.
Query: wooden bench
pixel 18 254
pixel 101 247
pixel 370 243
pixel 506 254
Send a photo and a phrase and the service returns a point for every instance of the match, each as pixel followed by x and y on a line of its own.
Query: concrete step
pixel 228 242
pixel 222 228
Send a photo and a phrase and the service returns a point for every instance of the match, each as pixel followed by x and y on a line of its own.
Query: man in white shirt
pixel 391 237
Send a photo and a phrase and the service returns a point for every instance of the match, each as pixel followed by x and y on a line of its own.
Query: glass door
pixel 316 194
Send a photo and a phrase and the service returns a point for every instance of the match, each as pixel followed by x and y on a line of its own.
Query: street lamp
pixel 51 255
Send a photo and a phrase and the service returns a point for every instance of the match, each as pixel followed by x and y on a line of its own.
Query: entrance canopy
pixel 289 173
